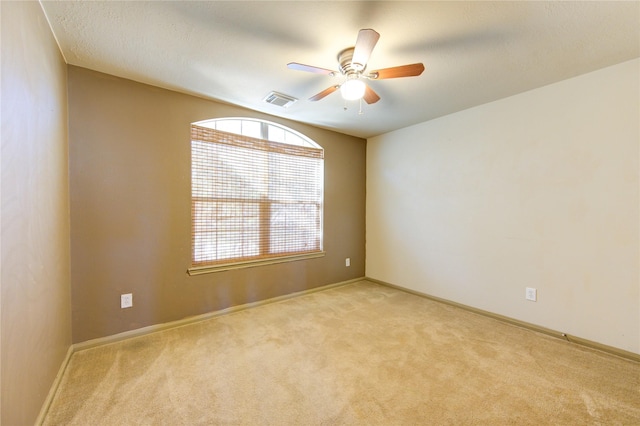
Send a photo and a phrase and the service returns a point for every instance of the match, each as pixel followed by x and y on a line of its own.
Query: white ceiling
pixel 236 51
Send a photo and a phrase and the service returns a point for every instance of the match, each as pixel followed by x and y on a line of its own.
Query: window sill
pixel 198 270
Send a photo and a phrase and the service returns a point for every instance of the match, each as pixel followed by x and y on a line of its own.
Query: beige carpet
pixel 357 354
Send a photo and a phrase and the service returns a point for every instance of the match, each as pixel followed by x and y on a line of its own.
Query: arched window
pixel 256 194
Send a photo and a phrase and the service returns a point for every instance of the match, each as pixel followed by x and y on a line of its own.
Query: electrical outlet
pixel 531 294
pixel 126 300
pixel 347 262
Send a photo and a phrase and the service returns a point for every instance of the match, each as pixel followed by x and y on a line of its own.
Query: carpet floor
pixel 357 354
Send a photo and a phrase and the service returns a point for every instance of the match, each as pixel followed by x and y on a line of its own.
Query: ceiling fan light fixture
pixel 352 89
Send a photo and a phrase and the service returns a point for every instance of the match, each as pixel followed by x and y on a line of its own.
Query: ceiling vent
pixel 280 100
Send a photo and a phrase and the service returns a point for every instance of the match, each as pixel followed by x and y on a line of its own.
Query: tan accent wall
pixel 35 279
pixel 130 209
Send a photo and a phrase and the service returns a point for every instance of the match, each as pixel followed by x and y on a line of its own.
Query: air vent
pixel 280 100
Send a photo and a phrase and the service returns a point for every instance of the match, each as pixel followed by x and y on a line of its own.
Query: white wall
pixel 537 190
pixel 35 276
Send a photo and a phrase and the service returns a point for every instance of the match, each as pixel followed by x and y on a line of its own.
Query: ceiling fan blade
pixel 365 43
pixel 309 68
pixel 324 93
pixel 411 70
pixel 370 96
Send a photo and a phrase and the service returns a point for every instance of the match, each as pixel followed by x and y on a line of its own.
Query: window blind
pixel 253 199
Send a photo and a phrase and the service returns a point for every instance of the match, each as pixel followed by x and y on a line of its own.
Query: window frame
pixel 300 140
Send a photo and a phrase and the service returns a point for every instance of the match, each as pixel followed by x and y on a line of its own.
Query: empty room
pixel 320 213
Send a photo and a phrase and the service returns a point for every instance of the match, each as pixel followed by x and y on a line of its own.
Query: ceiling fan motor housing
pixel 347 67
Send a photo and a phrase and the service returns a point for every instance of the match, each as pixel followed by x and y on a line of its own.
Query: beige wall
pixel 536 190
pixel 130 210
pixel 35 279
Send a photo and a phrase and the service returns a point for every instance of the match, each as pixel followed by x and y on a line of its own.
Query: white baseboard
pixel 165 326
pixel 560 335
pixel 197 318
pixel 54 387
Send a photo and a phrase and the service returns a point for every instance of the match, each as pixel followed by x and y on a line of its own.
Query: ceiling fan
pixel 352 63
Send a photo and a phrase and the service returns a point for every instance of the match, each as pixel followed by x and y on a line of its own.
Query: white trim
pixel 263 130
pixel 202 317
pixel 197 270
pixel 89 344
pixel 54 387
pixel 611 350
